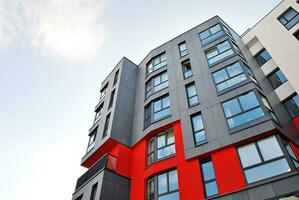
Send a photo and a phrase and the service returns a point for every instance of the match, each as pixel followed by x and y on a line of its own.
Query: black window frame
pixel 154 179
pixel 93 191
pixel 150 85
pixel 259 58
pixel 150 108
pixel 194 132
pixel 294 158
pixel 99 113
pixel 221 31
pixel 275 80
pixel 296 18
pixel 185 65
pixel 106 126
pixel 104 91
pixel 207 160
pixel 184 52
pixel 296 34
pixel 290 98
pixel 151 63
pixel 79 197
pixel 111 100
pixel 92 138
pixel 192 84
pixel 116 77
pixel 154 152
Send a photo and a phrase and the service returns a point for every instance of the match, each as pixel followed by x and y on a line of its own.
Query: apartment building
pixel 207 115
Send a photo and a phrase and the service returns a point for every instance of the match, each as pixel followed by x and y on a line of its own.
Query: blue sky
pixel 54 55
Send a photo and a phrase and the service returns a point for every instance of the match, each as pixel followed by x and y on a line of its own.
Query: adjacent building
pixel 207 115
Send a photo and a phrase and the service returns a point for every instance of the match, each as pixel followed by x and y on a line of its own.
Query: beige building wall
pixel 270 34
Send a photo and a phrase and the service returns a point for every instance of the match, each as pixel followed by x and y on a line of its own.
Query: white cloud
pixel 70 29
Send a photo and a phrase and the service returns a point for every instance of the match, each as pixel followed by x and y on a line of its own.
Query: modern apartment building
pixel 207 115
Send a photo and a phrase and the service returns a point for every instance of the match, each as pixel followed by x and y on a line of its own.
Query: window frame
pixel 198 114
pixel 273 75
pixel 192 84
pixel 290 98
pixel 201 162
pixel 93 191
pixel 288 21
pixel 262 160
pixel 104 91
pixel 296 34
pixel 106 126
pixel 152 112
pixel 257 55
pixel 111 100
pixel 92 138
pixel 156 148
pixel 221 31
pixel 154 178
pixel 116 75
pixel 150 66
pixel 185 64
pixel 151 83
pixel 99 113
pixel 184 52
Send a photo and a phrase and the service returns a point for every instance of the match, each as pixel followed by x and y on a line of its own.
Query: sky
pixel 54 55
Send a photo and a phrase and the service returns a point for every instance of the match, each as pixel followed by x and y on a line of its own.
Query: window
pixel 209 178
pixel 163 187
pixel 277 78
pixel 289 18
pixel 183 49
pixel 242 109
pixel 92 139
pixel 268 107
pixel 219 52
pixel 262 159
pixel 191 94
pixel 198 128
pixel 292 105
pixel 211 34
pixel 115 77
pixel 79 197
pixel 156 84
pixel 186 66
pixel 99 112
pixel 157 110
pixel 229 76
pixel 93 192
pixel 296 34
pixel 292 154
pixel 156 63
pixel 160 146
pixel 105 132
pixel 111 99
pixel 262 57
pixel 104 91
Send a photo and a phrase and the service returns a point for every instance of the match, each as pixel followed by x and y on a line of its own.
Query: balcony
pixel 108 161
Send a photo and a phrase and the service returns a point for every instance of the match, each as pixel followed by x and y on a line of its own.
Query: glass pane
pixel 166 151
pixel 267 170
pixel 215 29
pixel 204 34
pixel 162 183
pixel 200 136
pixel 163 57
pixel 234 69
pixel 151 145
pixel 191 90
pixel 157 105
pixel 220 56
pixel 249 155
pixel 197 123
pixel 269 148
pixel 187 74
pixel 157 80
pixel 162 114
pixel 208 171
pixel 150 189
pixel 289 14
pixel 211 188
pixel 183 47
pixel 212 53
pixel 161 141
pixel 245 117
pixel 220 76
pixel 193 100
pixel 281 76
pixel 156 61
pixel 293 106
pixel 221 86
pixel 236 80
pixel 231 108
pixel 164 77
pixel 165 102
pixel 170 138
pixel 172 196
pixel 248 101
pixel 173 180
pixel 150 159
pixel 265 55
pixel 223 46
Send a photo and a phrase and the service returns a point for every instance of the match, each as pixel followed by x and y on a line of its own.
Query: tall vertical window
pixel 163 187
pixel 191 94
pixel 156 63
pixel 183 49
pixel 277 78
pixel 99 112
pixel 211 34
pixel 156 110
pixel 93 192
pixel 262 159
pixel 292 154
pixel 262 57
pixel 156 84
pixel 219 52
pixel 229 76
pixel 289 18
pixel 186 67
pixel 111 99
pixel 92 139
pixel 198 128
pixel 106 126
pixel 292 105
pixel 243 109
pixel 115 77
pixel 104 91
pixel 161 146
pixel 209 178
